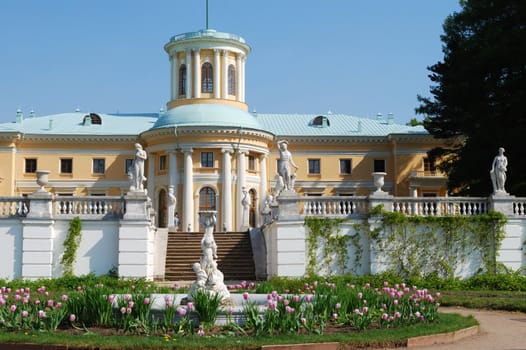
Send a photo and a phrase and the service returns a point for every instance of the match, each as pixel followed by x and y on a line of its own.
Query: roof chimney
pixel 390 118
pixel 379 117
pixel 19 116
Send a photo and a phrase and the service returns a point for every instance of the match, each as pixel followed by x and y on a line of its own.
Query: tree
pixel 479 93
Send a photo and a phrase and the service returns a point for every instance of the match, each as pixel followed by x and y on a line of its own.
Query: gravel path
pixel 499 330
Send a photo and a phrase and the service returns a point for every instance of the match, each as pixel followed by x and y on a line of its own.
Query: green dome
pixel 207 115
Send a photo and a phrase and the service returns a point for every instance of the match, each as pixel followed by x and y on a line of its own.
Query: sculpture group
pixel 208 277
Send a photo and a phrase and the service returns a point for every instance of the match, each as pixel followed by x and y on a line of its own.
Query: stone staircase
pixel 234 255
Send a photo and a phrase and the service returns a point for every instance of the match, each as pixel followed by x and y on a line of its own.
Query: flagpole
pixel 206 14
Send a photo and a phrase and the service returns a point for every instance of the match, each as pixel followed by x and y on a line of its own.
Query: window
pixel 345 166
pixel 66 166
pixel 321 120
pixel 92 119
pixel 429 165
pixel 207 159
pixel 314 166
pixel 251 163
pixel 99 165
pixel 207 81
pixel 207 199
pixel 379 166
pixel 31 165
pixel 182 80
pixel 231 80
pixel 127 165
pixel 162 162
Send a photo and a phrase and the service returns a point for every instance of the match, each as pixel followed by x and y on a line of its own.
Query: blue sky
pixel 346 56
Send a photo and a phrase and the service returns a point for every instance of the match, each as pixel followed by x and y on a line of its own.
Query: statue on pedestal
pixel 498 172
pixel 284 166
pixel 172 201
pixel 136 172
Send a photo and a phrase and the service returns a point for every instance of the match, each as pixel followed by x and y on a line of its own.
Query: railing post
pixel 38 236
pixel 503 203
pixel 136 238
pixel 286 239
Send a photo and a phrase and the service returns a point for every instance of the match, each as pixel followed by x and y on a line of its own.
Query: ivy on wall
pixel 324 233
pixel 71 244
pixel 409 245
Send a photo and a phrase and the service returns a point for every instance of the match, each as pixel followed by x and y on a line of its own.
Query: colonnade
pixel 227 179
pixel 220 62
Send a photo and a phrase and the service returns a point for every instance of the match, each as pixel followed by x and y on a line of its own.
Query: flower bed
pixel 318 308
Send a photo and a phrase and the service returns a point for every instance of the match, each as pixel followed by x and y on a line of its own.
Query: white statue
pixel 136 173
pixel 208 276
pixel 278 186
pixel 245 202
pixel 172 201
pixel 200 281
pixel 498 172
pixel 284 166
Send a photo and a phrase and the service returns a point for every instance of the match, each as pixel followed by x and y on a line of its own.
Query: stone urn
pixel 42 179
pixel 378 178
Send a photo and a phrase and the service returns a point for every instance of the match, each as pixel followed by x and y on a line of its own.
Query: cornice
pixel 343 139
pixel 207 130
pixel 32 138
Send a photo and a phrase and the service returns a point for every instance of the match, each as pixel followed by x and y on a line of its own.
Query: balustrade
pixel 13 207
pixel 90 206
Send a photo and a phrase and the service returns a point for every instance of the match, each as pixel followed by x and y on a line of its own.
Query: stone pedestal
pixel 41 205
pixel 136 238
pixel 37 248
pixel 136 206
pixel 502 202
pixel 286 248
pixel 288 206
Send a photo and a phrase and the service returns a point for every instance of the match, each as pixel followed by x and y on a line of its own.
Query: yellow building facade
pixel 210 150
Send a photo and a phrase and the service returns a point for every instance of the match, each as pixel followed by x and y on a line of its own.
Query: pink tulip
pixel 360 295
pixel 385 316
pixel 13 308
pixel 190 306
pixel 274 293
pixel 41 314
pixel 303 320
pixel 123 310
pixel 296 298
pixel 25 314
pixel 365 309
pixel 50 303
pixel 308 298
pixel 245 295
pixel 129 311
pixel 146 301
pixel 335 316
pixel 72 318
pixel 181 311
pixel 338 306
pixel 64 297
pixel 111 299
pixel 397 314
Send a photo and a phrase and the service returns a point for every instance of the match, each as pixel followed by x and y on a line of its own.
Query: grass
pixel 375 337
pixel 493 300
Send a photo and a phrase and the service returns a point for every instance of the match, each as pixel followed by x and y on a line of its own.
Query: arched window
pixel 207 81
pixel 182 80
pixel 231 79
pixel 207 199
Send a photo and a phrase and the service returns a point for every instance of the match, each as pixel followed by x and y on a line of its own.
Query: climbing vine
pixel 408 245
pixel 326 247
pixel 71 244
pixel 421 245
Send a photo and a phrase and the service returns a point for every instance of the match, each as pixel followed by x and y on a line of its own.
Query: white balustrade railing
pixel 519 207
pixel 13 206
pixel 438 206
pixel 90 206
pixel 333 206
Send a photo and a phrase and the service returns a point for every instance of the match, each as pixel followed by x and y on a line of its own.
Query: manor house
pixel 211 148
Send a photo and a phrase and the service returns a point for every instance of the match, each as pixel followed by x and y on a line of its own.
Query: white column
pixel 175 90
pixel 189 75
pixel 173 169
pixel 224 70
pixel 241 180
pixel 262 185
pixel 172 78
pixel 151 177
pixel 216 69
pixel 197 74
pixel 238 77
pixel 188 188
pixel 242 73
pixel 227 190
